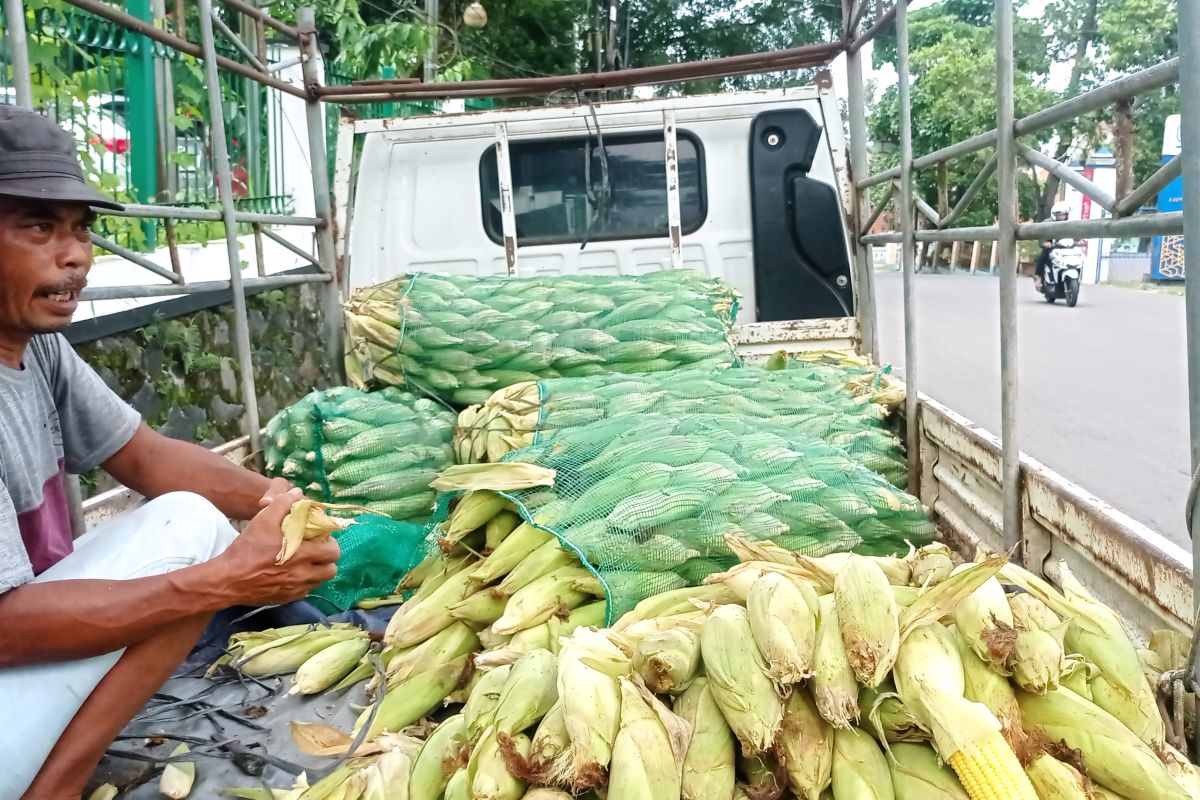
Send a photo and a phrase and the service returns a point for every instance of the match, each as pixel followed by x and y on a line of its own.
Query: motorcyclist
pixel 1058 213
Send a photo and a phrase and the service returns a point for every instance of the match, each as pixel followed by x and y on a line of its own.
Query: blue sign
pixel 1166 259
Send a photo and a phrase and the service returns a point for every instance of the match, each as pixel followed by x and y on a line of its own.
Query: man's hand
pixel 248 567
pixel 277 487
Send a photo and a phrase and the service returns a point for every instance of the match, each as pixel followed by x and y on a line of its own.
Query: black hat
pixel 38 161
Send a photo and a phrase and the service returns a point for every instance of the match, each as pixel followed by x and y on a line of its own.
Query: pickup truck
pixel 761 200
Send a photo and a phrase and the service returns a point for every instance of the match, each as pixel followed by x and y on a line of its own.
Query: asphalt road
pixel 1103 386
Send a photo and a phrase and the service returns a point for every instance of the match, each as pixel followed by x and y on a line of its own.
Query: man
pixel 1058 213
pixel 92 628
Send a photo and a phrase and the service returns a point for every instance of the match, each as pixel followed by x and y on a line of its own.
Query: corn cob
pixel 870 624
pixel 931 564
pixel 1110 753
pixel 480 708
pixel 307 520
pixel 1037 658
pixel 917 775
pixel 985 621
pixel 806 746
pixel 668 661
pixel 286 654
pixel 588 667
pixel 783 618
pixel 329 666
pixel 859 770
pixel 1054 780
pixel 455 640
pixel 529 692
pixel 891 720
pixel 489 775
pixel 833 684
pixel 649 749
pixel 105 791
pixel 414 698
pixel 413 623
pixel 542 561
pixel 524 539
pixel 738 679
pixel 444 752
pixel 708 766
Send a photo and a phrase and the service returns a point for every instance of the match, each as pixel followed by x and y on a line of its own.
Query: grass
pixel 1144 285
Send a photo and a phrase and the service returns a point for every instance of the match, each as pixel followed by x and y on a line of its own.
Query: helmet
pixel 1060 208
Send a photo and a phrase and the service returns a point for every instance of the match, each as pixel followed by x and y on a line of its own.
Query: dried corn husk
pixel 668 661
pixel 308 520
pixel 985 621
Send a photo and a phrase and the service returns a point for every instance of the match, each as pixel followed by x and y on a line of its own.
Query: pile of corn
pixel 814 400
pixel 464 337
pixel 647 498
pixel 845 677
pixel 378 451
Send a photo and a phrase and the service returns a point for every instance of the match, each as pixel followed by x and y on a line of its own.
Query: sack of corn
pixel 554 709
pixel 378 451
pixel 647 499
pixel 812 399
pixel 463 337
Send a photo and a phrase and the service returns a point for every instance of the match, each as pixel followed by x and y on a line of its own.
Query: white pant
pixel 39 701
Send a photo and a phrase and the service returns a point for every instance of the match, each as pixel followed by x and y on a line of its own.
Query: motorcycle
pixel 1064 268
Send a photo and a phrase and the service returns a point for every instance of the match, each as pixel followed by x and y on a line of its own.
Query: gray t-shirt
pixel 56 416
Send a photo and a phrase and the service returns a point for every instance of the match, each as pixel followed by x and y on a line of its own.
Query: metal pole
pixel 508 215
pixel 1006 245
pixel 331 300
pixel 1067 176
pixel 1189 101
pixel 907 256
pixel 135 258
pixel 674 226
pixel 976 186
pixel 864 272
pixel 200 287
pixel 1131 202
pixel 431 15
pixel 238 44
pixel 18 46
pixel 220 152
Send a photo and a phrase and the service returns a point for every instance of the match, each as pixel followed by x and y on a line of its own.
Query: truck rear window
pixel 551 188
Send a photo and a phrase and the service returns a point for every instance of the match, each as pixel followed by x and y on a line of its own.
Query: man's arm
pixel 153 465
pixel 71 619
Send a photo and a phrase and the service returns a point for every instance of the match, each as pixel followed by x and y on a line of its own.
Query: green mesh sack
pixel 378 450
pixel 815 400
pixel 463 337
pixel 376 554
pixel 646 499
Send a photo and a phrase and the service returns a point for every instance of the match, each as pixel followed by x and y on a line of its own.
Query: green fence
pixel 139 112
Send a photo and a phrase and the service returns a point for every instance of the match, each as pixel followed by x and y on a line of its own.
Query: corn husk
pixel 1139 713
pixel 738 679
pixel 806 746
pixel 783 618
pixel 415 697
pixel 763 776
pixel 985 621
pixel 458 787
pixel 708 766
pixel 497 529
pixel 833 684
pixel 450 643
pixel 387 778
pixel 1076 675
pixel 869 620
pixel 542 561
pixel 489 774
pixel 668 661
pixel 860 770
pixel 507 476
pixel 929 651
pixel 308 520
pixel 1110 753
pixel 413 623
pixel 1184 772
pixel 543 793
pixel 105 791
pixel 676 601
pixel 178 776
pixel 588 667
pixel 1054 780
pixel 518 545
pixel 287 653
pixel 890 719
pixel 445 751
pixel 983 685
pixel 479 711
pixel 931 564
pixel 1037 658
pixel 329 666
pixel 918 775
pixel 549 742
pixel 648 754
pixel 539 600
pixel 480 608
pixel 529 692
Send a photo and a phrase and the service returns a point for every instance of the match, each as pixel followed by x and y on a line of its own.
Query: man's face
pixel 1060 215
pixel 45 255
